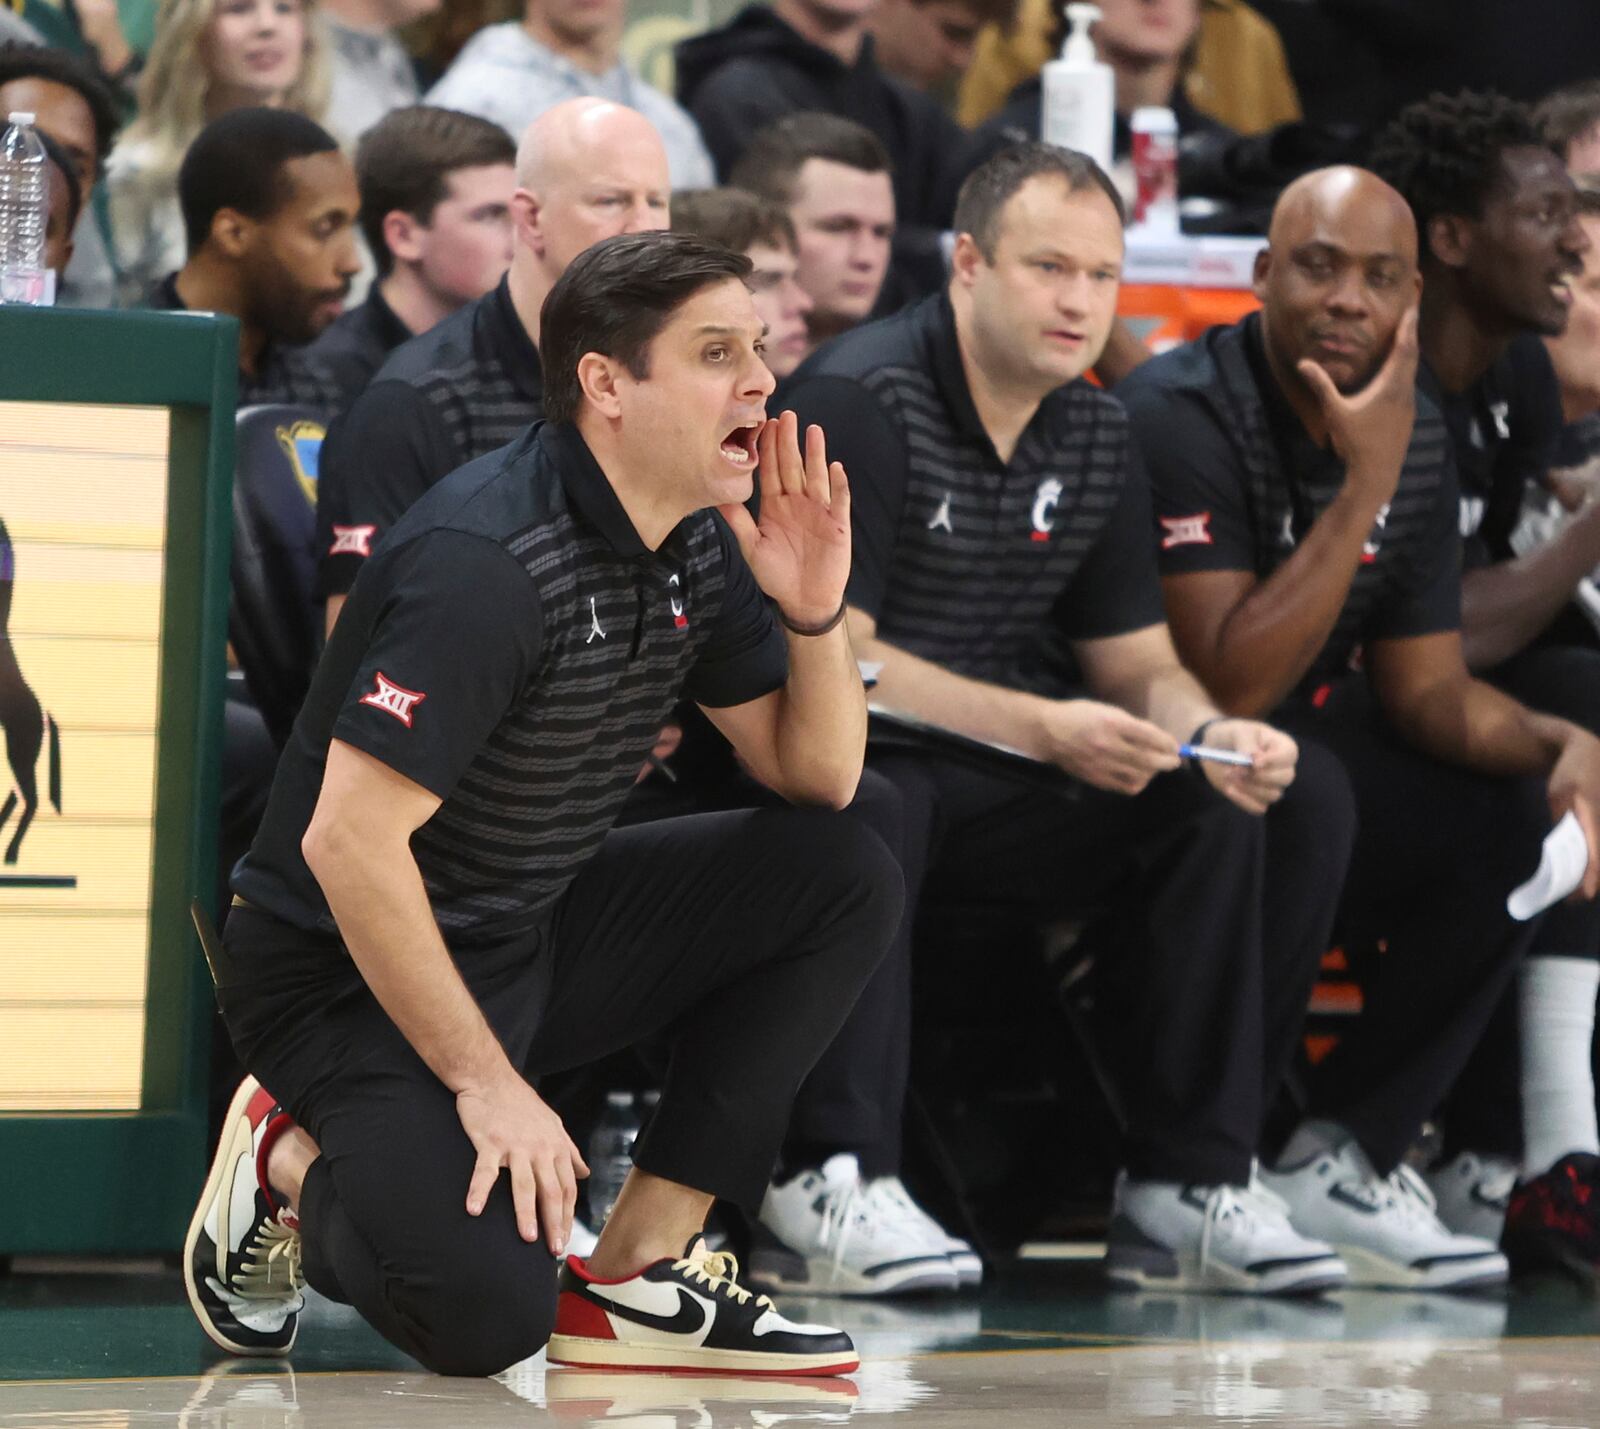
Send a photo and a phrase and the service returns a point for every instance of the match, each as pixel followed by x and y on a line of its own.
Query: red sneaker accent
pixel 582 1319
pixel 580 1268
pixel 259 1106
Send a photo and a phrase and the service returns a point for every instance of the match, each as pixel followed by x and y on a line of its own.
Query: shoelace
pixel 274 1254
pixel 1411 1195
pixel 841 1213
pixel 1226 1203
pixel 719 1269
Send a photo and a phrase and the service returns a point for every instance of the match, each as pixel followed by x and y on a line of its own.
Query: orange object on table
pixel 1164 315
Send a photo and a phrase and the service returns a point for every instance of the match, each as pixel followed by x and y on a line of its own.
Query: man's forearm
pixel 381 907
pixel 1269 640
pixel 1504 606
pixel 913 686
pixel 1170 698
pixel 1470 723
pixel 822 720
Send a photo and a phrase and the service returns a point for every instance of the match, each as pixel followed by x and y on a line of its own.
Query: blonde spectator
pixel 209 57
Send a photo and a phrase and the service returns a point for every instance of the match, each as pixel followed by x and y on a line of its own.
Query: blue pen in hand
pixel 1216 756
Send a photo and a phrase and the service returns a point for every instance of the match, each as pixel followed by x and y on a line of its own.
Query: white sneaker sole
pixel 1369 1270
pixel 794 1273
pixel 620 1354
pixel 968 1266
pixel 234 1142
pixel 1314 1277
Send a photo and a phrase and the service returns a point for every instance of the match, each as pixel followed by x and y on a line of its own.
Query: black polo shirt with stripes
pixel 961 558
pixel 1238 483
pixel 514 649
pixel 446 397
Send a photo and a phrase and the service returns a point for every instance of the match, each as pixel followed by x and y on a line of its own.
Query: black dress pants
pixel 1438 851
pixel 745 936
pixel 1218 922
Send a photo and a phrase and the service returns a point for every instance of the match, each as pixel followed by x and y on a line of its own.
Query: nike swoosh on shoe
pixel 689 1319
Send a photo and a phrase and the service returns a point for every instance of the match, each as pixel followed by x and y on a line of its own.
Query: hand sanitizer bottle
pixel 1079 106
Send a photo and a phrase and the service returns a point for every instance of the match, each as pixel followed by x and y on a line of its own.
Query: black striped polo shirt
pixel 1238 483
pixel 515 650
pixel 961 558
pixel 446 397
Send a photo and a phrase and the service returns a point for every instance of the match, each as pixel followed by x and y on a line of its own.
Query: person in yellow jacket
pixel 1233 68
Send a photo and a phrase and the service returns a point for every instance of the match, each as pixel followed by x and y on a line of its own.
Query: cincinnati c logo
pixel 1044 508
pixel 393 699
pixel 352 540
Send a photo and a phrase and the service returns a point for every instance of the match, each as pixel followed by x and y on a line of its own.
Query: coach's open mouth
pixel 739 446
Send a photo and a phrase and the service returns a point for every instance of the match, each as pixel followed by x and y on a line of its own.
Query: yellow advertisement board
pixel 83 493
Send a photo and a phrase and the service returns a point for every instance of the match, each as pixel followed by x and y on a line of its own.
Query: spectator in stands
pixel 1500 238
pixel 71 105
pixel 762 231
pixel 269 209
pixel 565 49
pixel 998 496
pixel 927 44
pixel 816 55
pixel 66 199
pixel 587 169
pixel 1234 70
pixel 1569 121
pixel 209 57
pixel 833 178
pixel 436 191
pixel 1148 44
pixel 372 71
pixel 1307 504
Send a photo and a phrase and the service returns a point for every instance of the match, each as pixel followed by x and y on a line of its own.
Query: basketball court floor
pixel 1043 1345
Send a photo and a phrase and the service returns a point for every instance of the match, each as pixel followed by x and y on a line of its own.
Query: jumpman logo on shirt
pixel 941 517
pixel 594 615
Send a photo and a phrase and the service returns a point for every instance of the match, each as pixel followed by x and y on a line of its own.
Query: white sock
pixel 1558 1113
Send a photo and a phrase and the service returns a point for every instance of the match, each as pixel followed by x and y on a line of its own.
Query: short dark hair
pixel 58 156
pixel 405 160
pixel 19 60
pixel 615 298
pixel 237 162
pixel 1568 114
pixel 734 218
pixel 775 156
pixel 1443 153
pixel 990 186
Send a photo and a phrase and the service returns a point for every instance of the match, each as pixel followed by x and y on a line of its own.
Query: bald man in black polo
pixel 1307 498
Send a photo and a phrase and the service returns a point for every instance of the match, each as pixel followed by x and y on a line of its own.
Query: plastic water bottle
pixel 611 1155
pixel 24 214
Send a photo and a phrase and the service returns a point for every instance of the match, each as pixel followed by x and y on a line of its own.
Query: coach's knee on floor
pixel 481 1317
